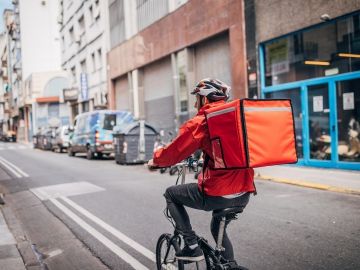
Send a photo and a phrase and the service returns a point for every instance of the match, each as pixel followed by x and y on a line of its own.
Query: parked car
pixel 8 136
pixel 93 132
pixel 62 138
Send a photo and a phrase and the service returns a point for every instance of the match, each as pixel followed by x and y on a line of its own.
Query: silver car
pixel 62 138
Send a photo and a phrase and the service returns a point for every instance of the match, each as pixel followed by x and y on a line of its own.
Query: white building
pixel 85 40
pixel 3 80
pixel 35 52
pixel 39 34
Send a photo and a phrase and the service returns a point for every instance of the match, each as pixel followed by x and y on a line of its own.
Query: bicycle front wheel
pixel 165 253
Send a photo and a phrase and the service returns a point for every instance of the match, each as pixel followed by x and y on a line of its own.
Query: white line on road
pixel 103 239
pixel 141 249
pixel 10 169
pixel 15 167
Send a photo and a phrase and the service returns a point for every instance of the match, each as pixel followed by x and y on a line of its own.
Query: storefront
pixel 318 68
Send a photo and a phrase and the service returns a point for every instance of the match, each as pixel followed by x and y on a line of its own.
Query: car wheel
pixel 70 152
pixel 89 153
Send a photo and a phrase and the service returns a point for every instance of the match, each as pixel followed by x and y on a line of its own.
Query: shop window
pixel 328 49
pixel 53 110
pixel 85 106
pixel 294 95
pixel 319 122
pixel 348 120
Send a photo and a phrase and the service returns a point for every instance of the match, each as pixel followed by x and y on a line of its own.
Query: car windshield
pixel 116 119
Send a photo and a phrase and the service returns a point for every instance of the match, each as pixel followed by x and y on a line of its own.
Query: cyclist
pixel 216 189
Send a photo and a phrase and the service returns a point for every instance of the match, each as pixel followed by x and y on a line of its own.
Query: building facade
pixel 4 116
pixel 85 40
pixel 313 58
pixel 160 49
pixel 32 46
pixel 11 70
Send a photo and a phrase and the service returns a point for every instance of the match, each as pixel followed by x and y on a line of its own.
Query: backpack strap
pixel 206 163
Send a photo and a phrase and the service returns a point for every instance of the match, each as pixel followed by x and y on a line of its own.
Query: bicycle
pixel 168 244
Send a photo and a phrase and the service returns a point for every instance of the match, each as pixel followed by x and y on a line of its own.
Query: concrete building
pixel 11 71
pixel 160 49
pixel 33 48
pixel 4 103
pixel 84 34
pixel 44 90
pixel 309 51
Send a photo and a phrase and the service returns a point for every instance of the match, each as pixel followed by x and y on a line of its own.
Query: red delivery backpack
pixel 252 133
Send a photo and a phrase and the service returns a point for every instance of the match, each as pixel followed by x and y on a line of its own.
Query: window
pixel 85 106
pixel 81 25
pixel 83 66
pixel 97 10
pixel 73 74
pixel 348 120
pixel 93 62
pixel 328 49
pixel 181 65
pixel 110 120
pixel 53 110
pixel 91 14
pixel 100 58
pixel 71 34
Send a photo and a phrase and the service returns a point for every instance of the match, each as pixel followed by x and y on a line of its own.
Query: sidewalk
pixel 318 178
pixel 10 258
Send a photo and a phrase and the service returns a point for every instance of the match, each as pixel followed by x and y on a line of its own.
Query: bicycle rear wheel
pixel 165 253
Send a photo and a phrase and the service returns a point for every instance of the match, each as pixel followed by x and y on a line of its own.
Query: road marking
pixel 141 249
pixel 103 239
pixel 15 167
pixel 55 253
pixel 10 169
pixel 69 189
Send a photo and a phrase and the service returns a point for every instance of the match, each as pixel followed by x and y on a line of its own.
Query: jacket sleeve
pixel 187 142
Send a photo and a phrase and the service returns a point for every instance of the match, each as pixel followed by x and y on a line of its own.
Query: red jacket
pixel 194 135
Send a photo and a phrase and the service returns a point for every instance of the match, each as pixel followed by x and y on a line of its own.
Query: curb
pixel 308 184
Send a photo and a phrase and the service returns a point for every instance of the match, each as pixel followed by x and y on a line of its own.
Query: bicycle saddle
pixel 227 211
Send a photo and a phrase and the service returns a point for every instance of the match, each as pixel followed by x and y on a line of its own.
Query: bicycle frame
pixel 175 237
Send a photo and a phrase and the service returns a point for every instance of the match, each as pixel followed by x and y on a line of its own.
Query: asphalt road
pixel 117 212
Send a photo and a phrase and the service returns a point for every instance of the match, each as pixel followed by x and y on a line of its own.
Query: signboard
pixel 318 104
pixel 348 101
pixel 278 56
pixel 84 87
pixel 70 94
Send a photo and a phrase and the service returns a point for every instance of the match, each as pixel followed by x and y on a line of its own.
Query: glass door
pixel 319 122
pixel 348 120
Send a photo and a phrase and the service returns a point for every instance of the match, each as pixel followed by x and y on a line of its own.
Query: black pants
pixel 189 195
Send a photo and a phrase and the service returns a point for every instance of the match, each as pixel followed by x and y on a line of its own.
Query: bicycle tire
pixel 209 262
pixel 162 245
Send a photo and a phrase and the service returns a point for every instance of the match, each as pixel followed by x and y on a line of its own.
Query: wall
pixel 186 26
pixel 277 17
pixel 40 42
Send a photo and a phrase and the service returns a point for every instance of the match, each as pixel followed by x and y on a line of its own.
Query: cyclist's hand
pixel 151 165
